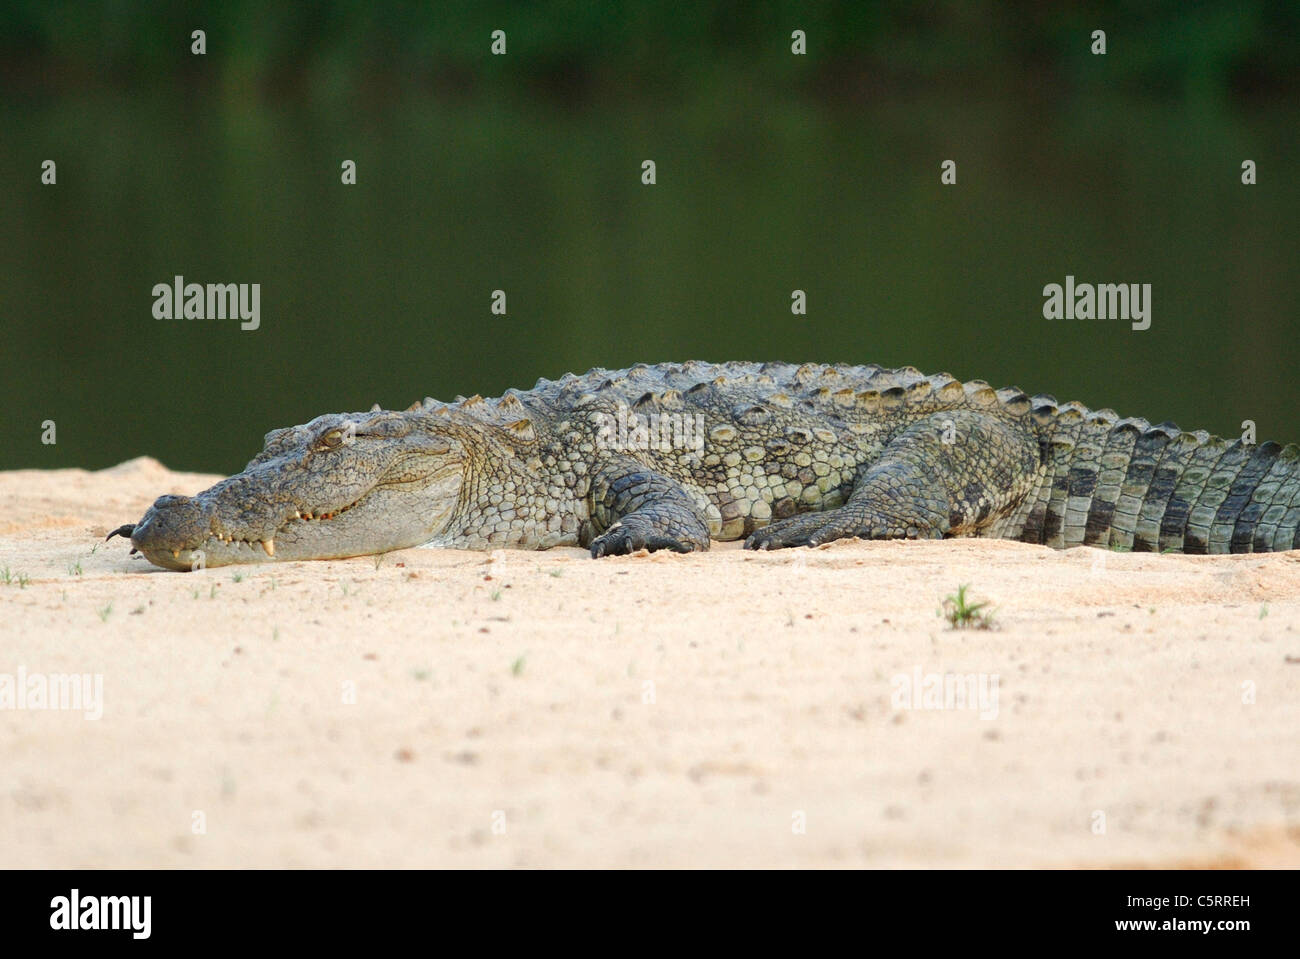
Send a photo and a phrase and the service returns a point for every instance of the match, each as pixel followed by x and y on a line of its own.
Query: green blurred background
pixel 523 173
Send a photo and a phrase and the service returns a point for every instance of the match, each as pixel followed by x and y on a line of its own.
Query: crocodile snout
pixel 172 523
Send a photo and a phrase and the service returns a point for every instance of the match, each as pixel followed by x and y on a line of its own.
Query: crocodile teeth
pixel 269 546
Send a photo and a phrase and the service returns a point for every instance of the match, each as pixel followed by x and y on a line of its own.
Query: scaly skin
pixel 779 454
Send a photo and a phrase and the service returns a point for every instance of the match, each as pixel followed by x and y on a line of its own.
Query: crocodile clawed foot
pixel 626 537
pixel 805 529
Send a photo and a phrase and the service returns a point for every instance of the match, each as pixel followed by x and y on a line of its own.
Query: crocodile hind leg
pixel 641 509
pixel 952 473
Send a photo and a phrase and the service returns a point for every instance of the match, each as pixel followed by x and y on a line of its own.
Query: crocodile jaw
pixel 176 533
pixel 380 493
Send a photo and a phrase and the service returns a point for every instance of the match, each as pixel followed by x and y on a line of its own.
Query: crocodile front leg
pixel 951 473
pixel 641 509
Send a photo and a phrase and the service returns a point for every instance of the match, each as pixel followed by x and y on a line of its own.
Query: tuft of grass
pixel 517 667
pixel 557 573
pixel 237 577
pixel 961 613
pixel 105 612
pixel 74 569
pixel 496 595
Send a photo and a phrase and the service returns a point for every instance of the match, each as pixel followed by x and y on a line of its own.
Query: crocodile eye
pixel 332 440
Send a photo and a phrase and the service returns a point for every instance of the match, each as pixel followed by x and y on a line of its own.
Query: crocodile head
pixel 342 485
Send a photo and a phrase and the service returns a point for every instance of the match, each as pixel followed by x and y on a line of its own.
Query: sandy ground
pixel 440 708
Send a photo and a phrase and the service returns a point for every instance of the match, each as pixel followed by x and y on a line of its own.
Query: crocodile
pixel 675 455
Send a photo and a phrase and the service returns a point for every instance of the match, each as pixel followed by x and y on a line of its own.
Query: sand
pixel 445 708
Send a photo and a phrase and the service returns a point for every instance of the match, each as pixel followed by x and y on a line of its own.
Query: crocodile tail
pixel 1125 484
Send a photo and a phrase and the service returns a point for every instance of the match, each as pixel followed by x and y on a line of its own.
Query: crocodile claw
pixel 622 539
